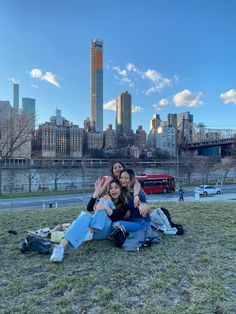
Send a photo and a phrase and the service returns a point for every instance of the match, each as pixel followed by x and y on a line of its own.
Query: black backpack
pixel 34 243
pixel 177 226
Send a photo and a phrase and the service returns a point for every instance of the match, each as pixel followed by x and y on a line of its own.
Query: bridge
pixel 193 136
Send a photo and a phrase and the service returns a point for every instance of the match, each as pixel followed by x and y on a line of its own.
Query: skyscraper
pixel 184 116
pixel 28 107
pixel 123 114
pixel 155 122
pixel 172 120
pixel 96 85
pixel 16 97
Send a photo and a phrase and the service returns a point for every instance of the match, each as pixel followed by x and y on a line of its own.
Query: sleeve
pixel 91 204
pixel 142 197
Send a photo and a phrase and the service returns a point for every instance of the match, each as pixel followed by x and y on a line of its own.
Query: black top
pixel 117 214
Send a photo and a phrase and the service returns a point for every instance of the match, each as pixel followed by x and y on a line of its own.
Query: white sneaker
pixel 57 254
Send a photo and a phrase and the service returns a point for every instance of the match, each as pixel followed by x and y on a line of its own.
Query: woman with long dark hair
pixel 116 168
pixel 108 209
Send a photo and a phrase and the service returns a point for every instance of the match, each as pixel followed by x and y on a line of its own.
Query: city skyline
pixel 172 57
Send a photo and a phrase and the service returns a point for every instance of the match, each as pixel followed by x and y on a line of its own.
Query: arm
pixel 103 205
pixel 143 207
pixel 97 192
pixel 90 206
pixel 104 185
pixel 137 188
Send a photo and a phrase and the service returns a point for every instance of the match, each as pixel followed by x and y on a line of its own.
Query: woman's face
pixel 114 191
pixel 116 169
pixel 124 179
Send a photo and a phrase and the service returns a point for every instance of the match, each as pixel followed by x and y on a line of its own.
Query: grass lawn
pixel 193 273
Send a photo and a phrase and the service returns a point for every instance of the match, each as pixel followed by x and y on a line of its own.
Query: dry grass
pixel 194 273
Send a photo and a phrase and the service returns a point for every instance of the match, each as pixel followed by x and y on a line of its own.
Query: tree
pixel 188 165
pixel 30 175
pixel 56 174
pixel 205 165
pixel 226 166
pixel 15 138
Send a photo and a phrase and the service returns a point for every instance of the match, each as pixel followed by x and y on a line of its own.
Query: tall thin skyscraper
pixel 16 97
pixel 123 114
pixel 28 107
pixel 96 85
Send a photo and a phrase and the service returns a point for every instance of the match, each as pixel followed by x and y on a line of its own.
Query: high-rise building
pixel 59 138
pixel 172 120
pixel 28 108
pixel 166 139
pixel 155 122
pixel 140 138
pixel 184 116
pixel 110 140
pixel 87 125
pixel 16 97
pixel 123 114
pixel 5 109
pixel 96 85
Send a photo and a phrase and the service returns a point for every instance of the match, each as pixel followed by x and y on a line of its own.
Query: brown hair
pixel 122 201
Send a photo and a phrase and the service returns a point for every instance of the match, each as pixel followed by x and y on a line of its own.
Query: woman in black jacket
pixel 112 207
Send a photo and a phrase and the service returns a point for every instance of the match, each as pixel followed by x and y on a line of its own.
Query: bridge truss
pixel 191 135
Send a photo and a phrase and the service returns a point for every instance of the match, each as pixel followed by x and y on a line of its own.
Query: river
pixel 46 177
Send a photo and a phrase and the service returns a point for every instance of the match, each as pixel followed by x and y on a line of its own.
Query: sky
pixel 172 56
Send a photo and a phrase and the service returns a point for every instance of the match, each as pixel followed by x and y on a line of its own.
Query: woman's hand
pixel 98 188
pixel 101 206
pixel 144 209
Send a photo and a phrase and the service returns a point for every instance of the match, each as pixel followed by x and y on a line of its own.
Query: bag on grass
pixel 161 220
pixel 120 238
pixel 33 243
pixel 118 235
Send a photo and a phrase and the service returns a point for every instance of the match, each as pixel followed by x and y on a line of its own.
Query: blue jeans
pixel 135 225
pixel 78 230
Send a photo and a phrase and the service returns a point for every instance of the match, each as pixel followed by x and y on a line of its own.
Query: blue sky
pixel 171 55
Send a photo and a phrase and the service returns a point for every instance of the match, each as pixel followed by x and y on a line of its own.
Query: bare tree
pixel 205 165
pixel 188 165
pixel 15 138
pixel 57 173
pixel 226 166
pixel 30 175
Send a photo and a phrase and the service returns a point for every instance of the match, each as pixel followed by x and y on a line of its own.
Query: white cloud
pixel 229 96
pixel 131 75
pixel 188 99
pixel 122 76
pixel 13 80
pixel 119 70
pixel 47 76
pixel 137 109
pixel 128 81
pixel 162 103
pixel 110 105
pixel 158 81
pixel 34 86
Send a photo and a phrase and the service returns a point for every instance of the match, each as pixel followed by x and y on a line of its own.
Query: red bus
pixel 156 183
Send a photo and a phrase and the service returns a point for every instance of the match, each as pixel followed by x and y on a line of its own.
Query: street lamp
pixel 177 167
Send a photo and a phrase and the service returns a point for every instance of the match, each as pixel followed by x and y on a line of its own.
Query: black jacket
pixel 118 214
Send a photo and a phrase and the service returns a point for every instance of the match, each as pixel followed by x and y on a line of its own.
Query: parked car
pixel 207 190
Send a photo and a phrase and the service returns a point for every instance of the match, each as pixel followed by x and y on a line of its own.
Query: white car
pixel 207 190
